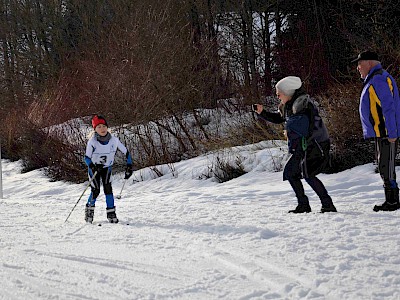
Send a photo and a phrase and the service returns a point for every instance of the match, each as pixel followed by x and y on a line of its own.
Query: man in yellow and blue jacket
pixel 380 119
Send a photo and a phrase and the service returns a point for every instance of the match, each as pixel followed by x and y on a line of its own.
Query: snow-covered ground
pixel 185 238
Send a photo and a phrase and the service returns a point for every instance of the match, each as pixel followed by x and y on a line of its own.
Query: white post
pixel 1 177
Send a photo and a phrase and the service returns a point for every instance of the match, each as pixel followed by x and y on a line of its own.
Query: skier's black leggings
pixel 104 175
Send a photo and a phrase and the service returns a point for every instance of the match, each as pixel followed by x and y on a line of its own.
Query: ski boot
pixel 89 213
pixel 111 215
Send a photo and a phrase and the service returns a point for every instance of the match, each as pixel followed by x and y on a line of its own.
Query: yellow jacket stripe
pixel 390 84
pixel 376 112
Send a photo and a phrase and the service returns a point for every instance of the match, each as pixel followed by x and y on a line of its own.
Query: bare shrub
pixel 341 106
pixel 10 134
pixel 224 168
pixel 39 148
pixel 226 171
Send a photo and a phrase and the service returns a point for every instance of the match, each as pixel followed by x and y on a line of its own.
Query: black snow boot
pixel 328 208
pixel 111 215
pixel 89 213
pixel 392 200
pixel 301 208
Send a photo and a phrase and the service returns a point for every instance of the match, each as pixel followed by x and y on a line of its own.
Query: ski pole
pixel 120 193
pixel 90 182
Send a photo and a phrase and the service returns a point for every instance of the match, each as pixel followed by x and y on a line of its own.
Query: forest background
pixel 156 70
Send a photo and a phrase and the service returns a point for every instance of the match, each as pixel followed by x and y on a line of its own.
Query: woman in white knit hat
pixel 308 141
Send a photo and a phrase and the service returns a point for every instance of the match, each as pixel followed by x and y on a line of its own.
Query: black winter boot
pixel 386 206
pixel 392 200
pixel 301 208
pixel 302 200
pixel 89 213
pixel 111 215
pixel 328 208
pixel 320 190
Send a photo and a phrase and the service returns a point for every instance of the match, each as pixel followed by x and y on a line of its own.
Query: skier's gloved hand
pixel 92 167
pixel 128 171
pixel 95 167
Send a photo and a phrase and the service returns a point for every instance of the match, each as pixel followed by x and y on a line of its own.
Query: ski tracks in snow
pixel 197 240
pixel 270 280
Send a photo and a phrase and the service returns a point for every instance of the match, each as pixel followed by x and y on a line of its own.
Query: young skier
pixel 99 157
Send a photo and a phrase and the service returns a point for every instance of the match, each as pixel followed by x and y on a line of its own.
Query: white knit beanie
pixel 288 85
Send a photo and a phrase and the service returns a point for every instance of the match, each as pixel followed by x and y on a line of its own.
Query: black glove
pixel 128 171
pixel 96 167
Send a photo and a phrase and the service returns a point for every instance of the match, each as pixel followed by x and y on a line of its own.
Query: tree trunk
pixel 247 18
